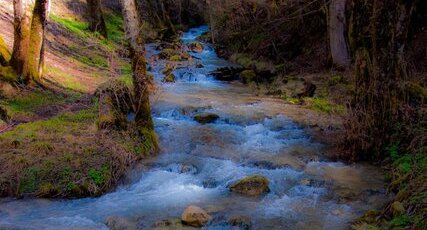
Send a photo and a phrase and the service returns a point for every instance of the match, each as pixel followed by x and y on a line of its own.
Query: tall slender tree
pixel 337 29
pixel 37 40
pixel 96 17
pixel 22 10
pixel 141 80
pixel 29 31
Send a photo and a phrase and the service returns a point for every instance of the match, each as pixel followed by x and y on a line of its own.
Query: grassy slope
pixel 57 150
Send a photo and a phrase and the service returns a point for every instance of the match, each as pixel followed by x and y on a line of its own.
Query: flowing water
pixel 198 162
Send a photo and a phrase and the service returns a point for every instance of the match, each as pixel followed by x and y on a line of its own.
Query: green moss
pixel 28 183
pixel 323 105
pixel 115 27
pixel 4 52
pixel 291 100
pixel 7 74
pixel 93 60
pixel 400 221
pixel 175 58
pixel 150 142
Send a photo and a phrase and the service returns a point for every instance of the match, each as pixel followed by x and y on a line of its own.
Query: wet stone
pixel 195 216
pixel 251 186
pixel 119 223
pixel 242 222
pixel 205 118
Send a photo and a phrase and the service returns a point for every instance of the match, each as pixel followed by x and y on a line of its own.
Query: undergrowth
pixel 66 156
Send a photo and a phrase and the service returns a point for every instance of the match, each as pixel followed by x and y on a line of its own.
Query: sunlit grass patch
pixel 66 80
pixel 27 103
pixel 323 105
pixel 79 28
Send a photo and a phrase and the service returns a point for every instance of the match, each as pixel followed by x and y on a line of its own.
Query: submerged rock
pixel 171 224
pixel 195 216
pixel 242 222
pixel 119 223
pixel 251 186
pixel 205 118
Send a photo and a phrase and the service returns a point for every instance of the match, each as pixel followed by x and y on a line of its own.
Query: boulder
pixel 251 186
pixel 195 216
pixel 196 47
pixel 241 222
pixel 205 118
pixel 119 223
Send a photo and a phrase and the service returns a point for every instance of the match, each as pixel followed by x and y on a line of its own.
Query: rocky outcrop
pixel 195 216
pixel 251 186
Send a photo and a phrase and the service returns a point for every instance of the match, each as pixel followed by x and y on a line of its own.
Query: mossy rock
pixel 205 118
pixel 196 47
pixel 248 76
pixel 251 186
pixel 175 58
pixel 170 78
pixel 167 53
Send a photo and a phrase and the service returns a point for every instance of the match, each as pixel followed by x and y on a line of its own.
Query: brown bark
pixel 141 80
pixel 337 28
pixel 96 17
pixel 37 37
pixel 22 25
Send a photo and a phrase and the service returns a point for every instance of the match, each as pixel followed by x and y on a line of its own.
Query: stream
pixel 198 162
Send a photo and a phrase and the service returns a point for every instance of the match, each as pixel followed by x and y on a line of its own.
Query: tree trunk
pixel 96 17
pixel 22 26
pixel 141 80
pixel 337 28
pixel 37 37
